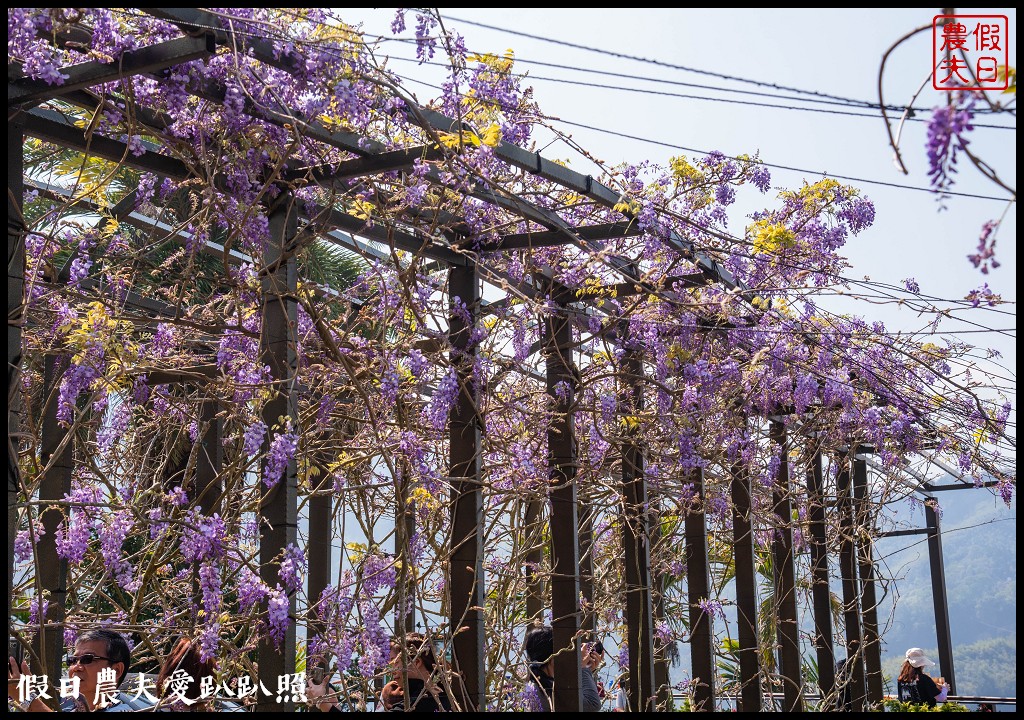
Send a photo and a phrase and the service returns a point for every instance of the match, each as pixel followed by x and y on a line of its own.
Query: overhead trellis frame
pixel 468 264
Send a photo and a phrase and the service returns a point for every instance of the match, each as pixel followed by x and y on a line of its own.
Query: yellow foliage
pixel 679 354
pixel 1005 72
pixel 684 172
pixel 630 207
pixel 491 135
pixel 422 497
pixel 592 287
pixel 629 422
pixel 361 209
pixel 769 237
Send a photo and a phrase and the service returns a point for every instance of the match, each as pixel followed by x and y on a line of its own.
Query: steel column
pixel 565 558
pixel 938 573
pixel 278 508
pixel 467 541
pixel 662 684
pixel 636 547
pixel 702 651
pixel 787 630
pixel 746 592
pixel 534 557
pixel 820 589
pixel 15 318
pixel 868 602
pixel 854 674
pixel 588 621
pixel 56 457
pixel 319 555
pixel 209 487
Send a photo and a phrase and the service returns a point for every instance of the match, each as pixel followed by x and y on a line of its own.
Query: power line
pixel 673 146
pixel 781 167
pixel 685 96
pixel 528 77
pixel 684 68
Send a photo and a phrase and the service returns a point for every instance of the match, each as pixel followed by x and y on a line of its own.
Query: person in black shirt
pixel 916 687
pixel 540 647
pixel 425 695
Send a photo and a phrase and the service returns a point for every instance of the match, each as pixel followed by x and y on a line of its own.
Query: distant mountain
pixel 979 543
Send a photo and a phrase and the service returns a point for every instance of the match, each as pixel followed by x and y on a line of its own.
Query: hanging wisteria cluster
pixel 145 338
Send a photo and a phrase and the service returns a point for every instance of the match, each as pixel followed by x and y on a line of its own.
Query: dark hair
pixel 185 656
pixel 539 644
pixel 116 647
pixel 908 673
pixel 417 645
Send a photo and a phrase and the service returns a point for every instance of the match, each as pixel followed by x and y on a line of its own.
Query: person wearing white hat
pixel 916 687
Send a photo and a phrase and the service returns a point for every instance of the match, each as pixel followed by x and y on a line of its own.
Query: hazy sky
pixel 831 51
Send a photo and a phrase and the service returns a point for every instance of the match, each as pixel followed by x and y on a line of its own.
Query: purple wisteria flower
pixel 277 614
pixel 985 257
pixel 292 566
pixel 252 438
pixel 946 130
pixel 282 451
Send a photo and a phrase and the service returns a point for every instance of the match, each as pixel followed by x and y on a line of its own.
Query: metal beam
pixel 698 584
pixel 939 598
pixel 787 629
pixel 133 62
pixel 279 505
pixel 959 486
pixel 746 592
pixel 565 557
pixel 853 674
pixel 636 554
pixel 825 652
pixel 547 238
pixel 193 21
pixel 466 578
pixel 868 601
pixel 392 237
pixel 585 185
pixel 52 127
pixel 363 166
pixel 902 533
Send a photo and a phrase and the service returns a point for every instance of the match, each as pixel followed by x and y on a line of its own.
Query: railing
pixel 728 702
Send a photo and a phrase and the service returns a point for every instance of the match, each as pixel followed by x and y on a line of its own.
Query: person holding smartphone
pixel 539 646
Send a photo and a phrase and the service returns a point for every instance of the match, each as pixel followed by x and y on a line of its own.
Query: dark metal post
pixel 662 685
pixel 57 457
pixel 746 593
pixel 868 603
pixel 702 651
pixel 279 507
pixel 565 558
pixel 636 549
pixel 534 556
pixel 854 675
pixel 467 541
pixel 820 590
pixel 588 620
pixel 320 552
pixel 15 317
pixel 209 487
pixel 939 601
pixel 787 629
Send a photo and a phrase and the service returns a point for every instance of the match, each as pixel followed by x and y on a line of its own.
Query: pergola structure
pixel 821 463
